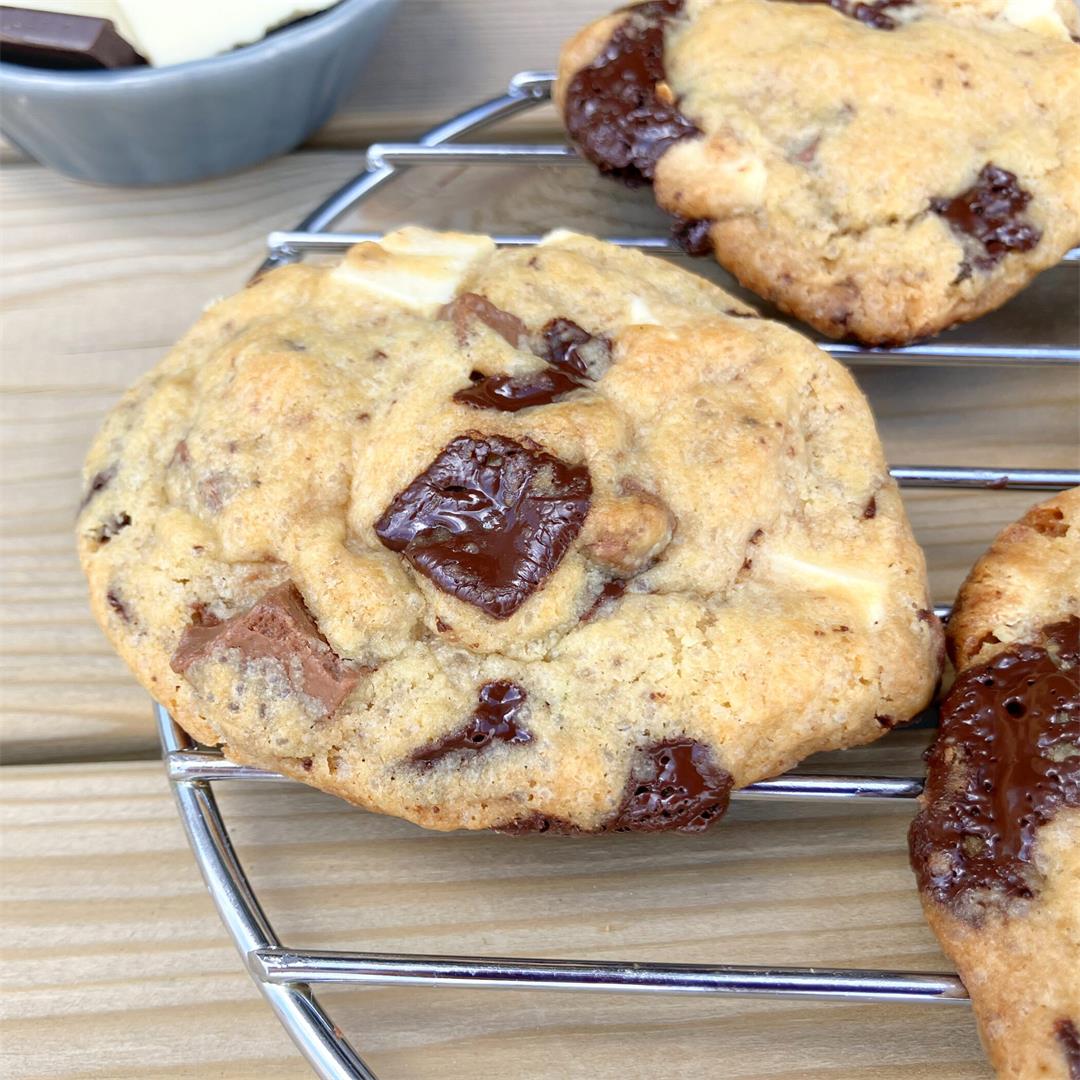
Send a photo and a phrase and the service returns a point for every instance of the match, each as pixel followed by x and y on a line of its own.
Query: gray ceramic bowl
pixel 189 121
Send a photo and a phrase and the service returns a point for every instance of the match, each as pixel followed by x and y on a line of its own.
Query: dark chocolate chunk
pixel 49 39
pixel 511 393
pixel 611 592
pixel 498 715
pixel 571 349
pixel 111 527
pixel 614 111
pixel 118 605
pixel 469 306
pixel 989 212
pixel 489 520
pixel 1006 758
pixel 279 627
pixel 873 14
pixel 870 510
pixel 676 785
pixel 692 235
pixel 98 483
pixel 574 353
pixel 539 823
pixel 1069 1038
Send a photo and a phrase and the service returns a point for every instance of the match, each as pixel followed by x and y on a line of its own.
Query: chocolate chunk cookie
pixel 881 170
pixel 562 539
pixel 996 845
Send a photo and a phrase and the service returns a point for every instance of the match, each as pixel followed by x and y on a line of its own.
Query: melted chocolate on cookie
pixel 511 393
pixel 1006 758
pixel 498 716
pixel 674 784
pixel 489 520
pixel 677 786
pixel 989 212
pixel 615 111
pixel 572 349
pixel 279 627
pixel 575 355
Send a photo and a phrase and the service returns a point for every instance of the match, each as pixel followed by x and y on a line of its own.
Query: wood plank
pixel 98 282
pixel 441 56
pixel 115 965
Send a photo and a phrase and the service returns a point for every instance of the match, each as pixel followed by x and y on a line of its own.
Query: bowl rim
pixel 319 24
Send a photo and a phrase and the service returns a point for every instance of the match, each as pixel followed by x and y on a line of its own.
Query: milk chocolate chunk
pixel 989 213
pixel 498 716
pixel 676 785
pixel 469 306
pixel 511 393
pixel 1006 759
pixel 279 627
pixel 489 520
pixel 572 349
pixel 617 112
pixel 1069 1037
pixel 48 39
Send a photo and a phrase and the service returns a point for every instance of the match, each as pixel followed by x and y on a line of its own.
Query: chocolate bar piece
pixel 47 39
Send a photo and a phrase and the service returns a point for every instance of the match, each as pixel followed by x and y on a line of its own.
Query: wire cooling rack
pixel 285 976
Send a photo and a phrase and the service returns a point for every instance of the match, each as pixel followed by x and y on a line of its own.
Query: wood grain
pixel 115 964
pixel 441 56
pixel 98 282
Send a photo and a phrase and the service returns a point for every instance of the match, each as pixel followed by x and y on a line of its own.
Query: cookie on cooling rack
pixel 881 169
pixel 557 538
pixel 996 846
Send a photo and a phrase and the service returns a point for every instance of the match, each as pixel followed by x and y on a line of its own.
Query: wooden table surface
pixel 114 963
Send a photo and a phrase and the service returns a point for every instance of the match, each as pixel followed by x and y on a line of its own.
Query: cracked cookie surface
pixel 996 845
pixel 879 170
pixel 678 567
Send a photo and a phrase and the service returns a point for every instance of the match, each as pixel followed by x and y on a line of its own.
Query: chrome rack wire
pixel 285 976
pixel 530 88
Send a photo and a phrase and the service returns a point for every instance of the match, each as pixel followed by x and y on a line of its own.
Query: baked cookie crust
pixel 996 846
pixel 880 170
pixel 562 538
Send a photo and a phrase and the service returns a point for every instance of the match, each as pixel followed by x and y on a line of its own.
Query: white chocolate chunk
pixel 865 592
pixel 414 268
pixel 1038 16
pixel 558 237
pixel 641 314
pixel 172 33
